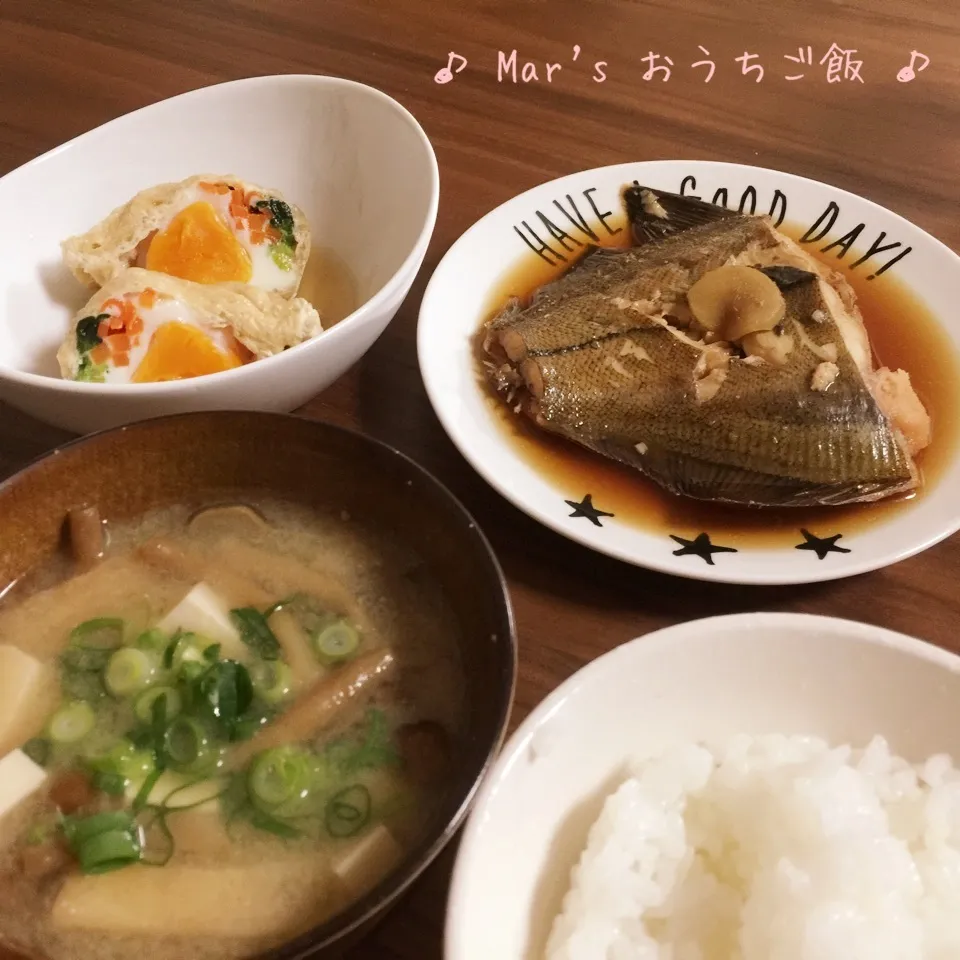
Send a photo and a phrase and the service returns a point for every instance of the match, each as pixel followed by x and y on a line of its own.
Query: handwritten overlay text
pixel 836 65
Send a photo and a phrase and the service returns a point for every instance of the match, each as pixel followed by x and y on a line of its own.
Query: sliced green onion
pixel 112 783
pixel 128 671
pixel 280 781
pixel 336 643
pixel 124 760
pixel 78 830
pixel 188 747
pixel 348 811
pixel 101 633
pixel 38 750
pixel 103 842
pixel 72 722
pixel 272 680
pixel 153 641
pixel 183 649
pixel 143 705
pixel 146 788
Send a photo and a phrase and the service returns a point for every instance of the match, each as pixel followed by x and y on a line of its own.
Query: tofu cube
pixel 202 611
pixel 19 777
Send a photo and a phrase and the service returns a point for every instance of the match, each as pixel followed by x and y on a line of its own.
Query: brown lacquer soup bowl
pixel 253 669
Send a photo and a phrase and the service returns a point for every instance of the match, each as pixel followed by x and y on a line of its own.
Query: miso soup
pixel 217 730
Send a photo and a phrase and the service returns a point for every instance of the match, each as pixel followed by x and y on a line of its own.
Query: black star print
pixel 700 547
pixel 821 545
pixel 586 509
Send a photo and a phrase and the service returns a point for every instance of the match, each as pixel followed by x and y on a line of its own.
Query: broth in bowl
pixel 218 729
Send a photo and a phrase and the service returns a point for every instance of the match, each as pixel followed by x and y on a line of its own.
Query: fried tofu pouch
pixel 208 229
pixel 146 327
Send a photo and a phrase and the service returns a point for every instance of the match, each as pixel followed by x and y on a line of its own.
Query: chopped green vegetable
pixel 100 633
pixel 153 641
pixel 82 663
pixel 255 632
pixel 183 649
pixel 375 749
pixel 129 671
pixel 336 643
pixel 189 748
pixel 104 841
pixel 87 333
pixel 281 781
pixel 272 680
pixel 143 794
pixel 225 692
pixel 124 760
pixel 143 705
pixel 348 811
pixel 111 783
pixel 72 722
pixel 38 750
pixel 89 372
pixel 281 219
pixel 212 653
pixel 282 254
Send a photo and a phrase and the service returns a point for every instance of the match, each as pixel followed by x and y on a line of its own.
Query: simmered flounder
pixel 718 358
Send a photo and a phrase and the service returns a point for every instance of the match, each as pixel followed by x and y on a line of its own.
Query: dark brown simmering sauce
pixel 904 334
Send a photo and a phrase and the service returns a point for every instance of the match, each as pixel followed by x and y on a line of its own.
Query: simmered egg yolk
pixel 179 351
pixel 197 245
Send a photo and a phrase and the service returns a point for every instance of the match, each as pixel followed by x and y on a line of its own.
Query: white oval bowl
pixel 353 159
pixel 703 680
pixel 458 299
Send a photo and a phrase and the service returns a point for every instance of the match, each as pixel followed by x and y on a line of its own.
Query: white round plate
pixel 706 680
pixel 460 297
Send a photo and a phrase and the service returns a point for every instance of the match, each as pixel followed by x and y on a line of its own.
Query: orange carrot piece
pixel 258 221
pixel 135 326
pixel 121 360
pixel 128 312
pixel 116 324
pixel 111 303
pixel 214 187
pixel 148 297
pixel 119 343
pixel 103 329
pixel 100 353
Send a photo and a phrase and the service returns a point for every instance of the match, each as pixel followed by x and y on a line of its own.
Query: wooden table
pixel 70 65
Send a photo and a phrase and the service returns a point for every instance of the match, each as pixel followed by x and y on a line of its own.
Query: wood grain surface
pixel 70 65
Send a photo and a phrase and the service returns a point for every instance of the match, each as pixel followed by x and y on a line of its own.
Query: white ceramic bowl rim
pixel 384 294
pixel 517 744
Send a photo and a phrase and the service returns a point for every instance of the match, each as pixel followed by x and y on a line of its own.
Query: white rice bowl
pixel 770 848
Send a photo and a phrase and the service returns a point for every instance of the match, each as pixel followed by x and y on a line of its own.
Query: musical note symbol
pixel 445 74
pixel 907 73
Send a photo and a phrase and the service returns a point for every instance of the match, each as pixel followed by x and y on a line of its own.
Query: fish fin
pixel 656 214
pixel 786 277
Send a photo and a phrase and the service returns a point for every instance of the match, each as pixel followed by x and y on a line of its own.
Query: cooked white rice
pixel 771 848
